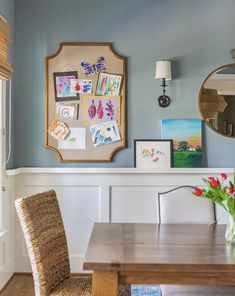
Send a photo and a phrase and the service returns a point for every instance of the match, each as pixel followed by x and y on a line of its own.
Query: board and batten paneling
pixel 89 195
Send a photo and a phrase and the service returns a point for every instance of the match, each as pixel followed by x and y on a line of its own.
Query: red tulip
pixel 215 183
pixel 223 176
pixel 230 190
pixel 211 179
pixel 198 191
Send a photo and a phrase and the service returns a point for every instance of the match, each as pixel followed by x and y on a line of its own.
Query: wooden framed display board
pixel 85 102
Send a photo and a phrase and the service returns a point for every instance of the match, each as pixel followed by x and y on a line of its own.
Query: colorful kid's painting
pixel 105 133
pixel 75 140
pixel 81 86
pixel 58 130
pixel 187 141
pixel 91 69
pixel 66 111
pixel 153 153
pixel 108 84
pixel 97 109
pixel 62 86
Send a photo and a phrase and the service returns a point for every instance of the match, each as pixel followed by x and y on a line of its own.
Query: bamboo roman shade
pixel 5 38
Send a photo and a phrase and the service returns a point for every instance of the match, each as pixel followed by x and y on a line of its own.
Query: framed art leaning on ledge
pixel 153 153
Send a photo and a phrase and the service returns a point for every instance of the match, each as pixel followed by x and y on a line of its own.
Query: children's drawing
pixel 110 109
pixel 58 130
pixel 101 109
pixel 91 69
pixel 66 111
pixel 153 153
pixel 82 86
pixel 92 110
pixel 75 140
pixel 108 84
pixel 105 133
pixel 187 141
pixel 62 86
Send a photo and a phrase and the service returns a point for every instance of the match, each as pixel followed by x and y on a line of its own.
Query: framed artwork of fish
pixel 108 84
pixel 153 153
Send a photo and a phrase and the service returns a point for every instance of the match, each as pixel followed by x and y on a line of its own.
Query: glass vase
pixel 230 230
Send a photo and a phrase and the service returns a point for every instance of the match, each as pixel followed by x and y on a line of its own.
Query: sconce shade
pixel 163 70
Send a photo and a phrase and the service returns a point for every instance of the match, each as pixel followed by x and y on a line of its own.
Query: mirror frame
pixel 199 101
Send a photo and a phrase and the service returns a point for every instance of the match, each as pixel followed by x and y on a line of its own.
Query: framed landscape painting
pixel 187 141
pixel 152 153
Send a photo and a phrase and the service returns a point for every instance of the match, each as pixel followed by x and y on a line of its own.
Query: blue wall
pixel 196 35
pixel 7 10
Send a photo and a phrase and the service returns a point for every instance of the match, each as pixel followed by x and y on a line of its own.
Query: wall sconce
pixel 163 71
pixel 232 53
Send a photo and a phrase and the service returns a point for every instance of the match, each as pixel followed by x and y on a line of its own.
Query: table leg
pixel 105 283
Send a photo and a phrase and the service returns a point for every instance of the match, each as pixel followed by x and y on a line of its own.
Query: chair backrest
pixel 180 206
pixel 46 242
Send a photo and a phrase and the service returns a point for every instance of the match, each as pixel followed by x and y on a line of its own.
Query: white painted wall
pixel 98 195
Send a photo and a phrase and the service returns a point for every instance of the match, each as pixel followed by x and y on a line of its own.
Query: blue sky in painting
pixel 184 129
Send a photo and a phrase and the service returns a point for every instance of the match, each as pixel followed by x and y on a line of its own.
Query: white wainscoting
pixel 7 261
pixel 89 195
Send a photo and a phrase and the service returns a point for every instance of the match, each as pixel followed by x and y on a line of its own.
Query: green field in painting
pixel 187 159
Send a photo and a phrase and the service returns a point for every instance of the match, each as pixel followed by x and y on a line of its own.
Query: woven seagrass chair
pixel 46 242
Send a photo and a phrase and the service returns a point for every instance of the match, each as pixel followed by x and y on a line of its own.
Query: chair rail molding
pixel 89 195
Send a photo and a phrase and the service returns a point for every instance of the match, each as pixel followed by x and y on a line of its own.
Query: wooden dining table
pixel 158 254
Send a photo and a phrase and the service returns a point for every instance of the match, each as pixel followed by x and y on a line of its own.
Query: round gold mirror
pixel 217 100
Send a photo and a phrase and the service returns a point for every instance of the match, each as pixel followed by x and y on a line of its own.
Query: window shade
pixel 5 38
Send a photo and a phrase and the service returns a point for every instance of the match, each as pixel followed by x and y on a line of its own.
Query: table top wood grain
pixel 127 246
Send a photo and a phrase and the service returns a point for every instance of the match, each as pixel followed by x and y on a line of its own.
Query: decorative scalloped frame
pixel 116 146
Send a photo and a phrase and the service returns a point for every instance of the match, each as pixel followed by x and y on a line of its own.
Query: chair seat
pixel 194 290
pixel 82 286
pixel 74 286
